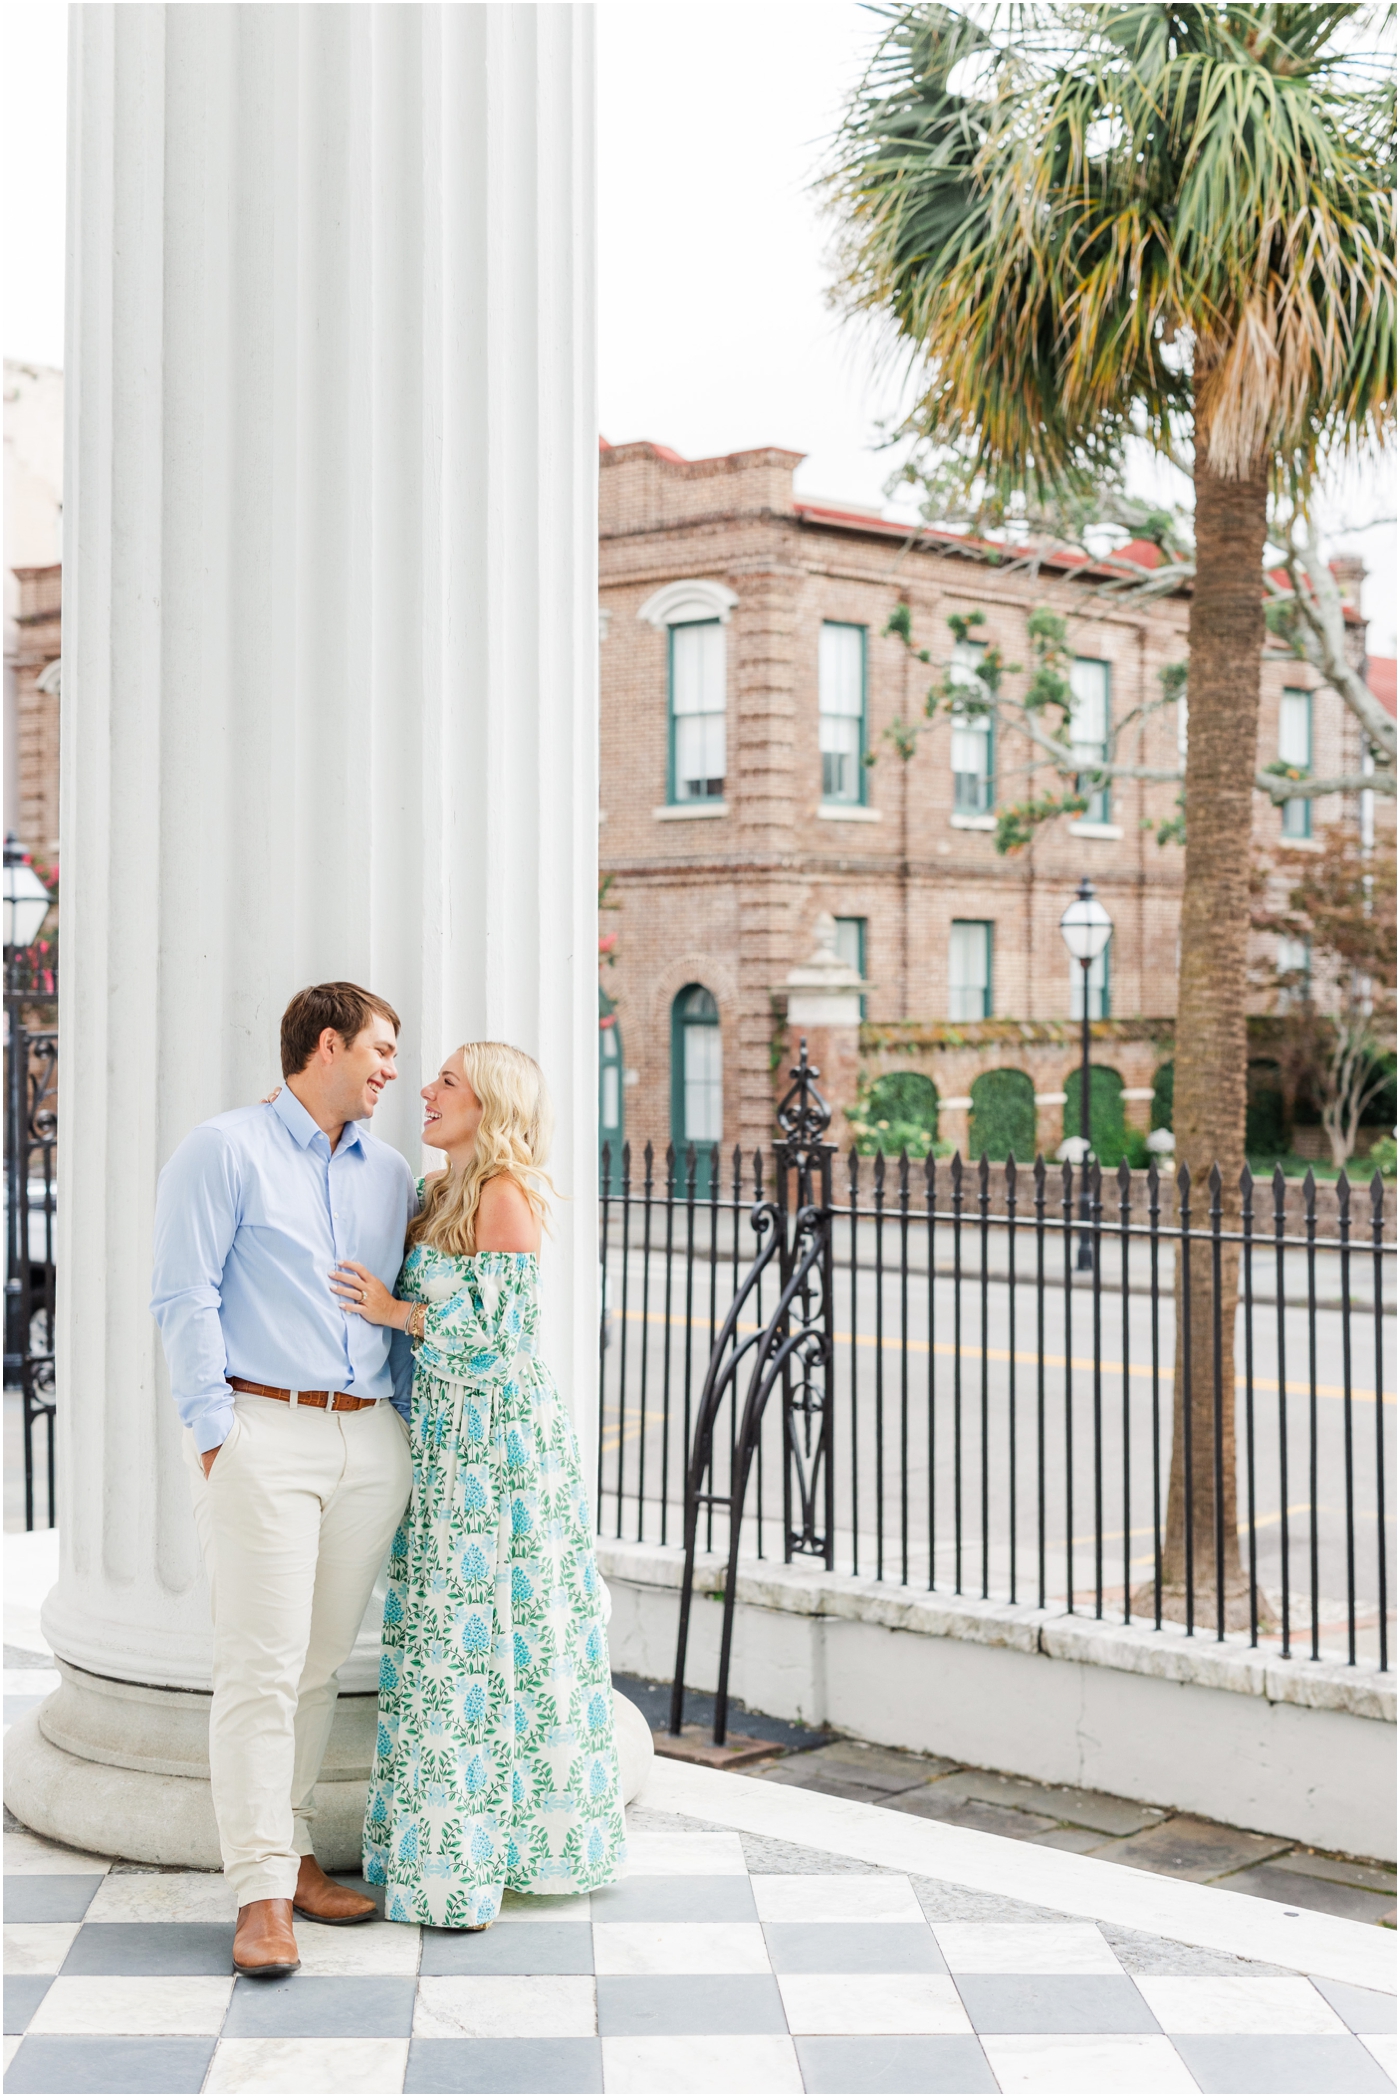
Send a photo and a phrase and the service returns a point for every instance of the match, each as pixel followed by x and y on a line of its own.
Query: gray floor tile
pixel 932 1803
pixel 58 1896
pixel 1294 1890
pixel 148 2067
pixel 905 2064
pixel 711 1898
pixel 1279 2067
pixel 857 1947
pixel 1186 1848
pixel 1080 1842
pixel 1053 2002
pixel 1375 1878
pixel 523 1947
pixel 882 1769
pixel 830 1784
pixel 23 1994
pixel 505 2064
pixel 1362 2009
pixel 1061 1802
pixel 362 2006
pixel 685 2005
pixel 151 1947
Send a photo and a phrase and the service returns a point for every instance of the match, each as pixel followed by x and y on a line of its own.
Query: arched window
pixel 693 615
pixel 1003 1116
pixel 899 1112
pixel 697 1089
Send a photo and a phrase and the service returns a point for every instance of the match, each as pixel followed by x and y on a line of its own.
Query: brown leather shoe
pixel 264 1944
pixel 323 1900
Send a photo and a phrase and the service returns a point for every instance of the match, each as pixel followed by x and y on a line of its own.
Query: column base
pixel 114 1768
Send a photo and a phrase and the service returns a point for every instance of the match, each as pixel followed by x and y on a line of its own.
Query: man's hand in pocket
pixel 207 1459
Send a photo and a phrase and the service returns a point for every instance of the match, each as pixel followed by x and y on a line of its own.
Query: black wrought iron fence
pixel 31 1166
pixel 1002 1419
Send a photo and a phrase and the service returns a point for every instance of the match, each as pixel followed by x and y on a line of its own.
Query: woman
pixel 495 1764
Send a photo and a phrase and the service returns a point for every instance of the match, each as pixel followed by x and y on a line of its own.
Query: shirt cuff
pixel 212 1429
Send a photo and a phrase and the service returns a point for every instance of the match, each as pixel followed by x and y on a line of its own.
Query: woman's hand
pixel 364 1293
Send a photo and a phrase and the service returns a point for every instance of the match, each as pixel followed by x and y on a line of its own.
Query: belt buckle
pixel 294 1399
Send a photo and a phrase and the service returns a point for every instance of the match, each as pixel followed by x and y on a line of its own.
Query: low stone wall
pixel 1301 1750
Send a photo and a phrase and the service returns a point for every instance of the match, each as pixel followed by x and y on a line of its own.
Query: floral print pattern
pixel 495 1763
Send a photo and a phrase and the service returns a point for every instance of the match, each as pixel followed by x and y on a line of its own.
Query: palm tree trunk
pixel 1226 639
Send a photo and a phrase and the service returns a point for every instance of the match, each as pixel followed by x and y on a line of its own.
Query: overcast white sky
pixel 714 333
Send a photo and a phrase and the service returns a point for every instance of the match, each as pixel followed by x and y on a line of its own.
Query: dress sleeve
pixel 474 1334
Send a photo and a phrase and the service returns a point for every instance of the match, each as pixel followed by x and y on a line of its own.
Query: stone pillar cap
pixel 825 970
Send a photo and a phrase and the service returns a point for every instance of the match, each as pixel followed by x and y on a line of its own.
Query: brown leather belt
pixel 338 1401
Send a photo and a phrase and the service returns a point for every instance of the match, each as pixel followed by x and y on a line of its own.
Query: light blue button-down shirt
pixel 252 1212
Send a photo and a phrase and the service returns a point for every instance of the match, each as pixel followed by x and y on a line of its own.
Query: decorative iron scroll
pixel 792 1353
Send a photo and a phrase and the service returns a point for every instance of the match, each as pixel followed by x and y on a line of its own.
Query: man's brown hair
pixel 343 1006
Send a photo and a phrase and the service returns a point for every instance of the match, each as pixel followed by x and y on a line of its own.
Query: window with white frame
pixel 841 705
pixel 697 711
pixel 850 947
pixel 1293 960
pixel 1295 739
pixel 970 969
pixel 1088 729
pixel 972 736
pixel 1098 987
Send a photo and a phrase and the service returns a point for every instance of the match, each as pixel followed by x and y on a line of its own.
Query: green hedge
pixel 1107 1130
pixel 1003 1116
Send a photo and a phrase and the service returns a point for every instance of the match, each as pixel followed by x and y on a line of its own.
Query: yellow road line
pixel 1360 1396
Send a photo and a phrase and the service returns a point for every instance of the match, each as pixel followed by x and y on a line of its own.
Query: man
pixel 297 1451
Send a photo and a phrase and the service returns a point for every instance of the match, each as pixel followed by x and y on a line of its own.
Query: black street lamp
pixel 1086 929
pixel 27 901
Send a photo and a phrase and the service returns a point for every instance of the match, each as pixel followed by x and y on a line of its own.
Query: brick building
pixel 745 672
pixel 33 674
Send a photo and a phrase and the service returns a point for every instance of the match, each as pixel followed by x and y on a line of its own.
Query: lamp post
pixel 1086 929
pixel 26 903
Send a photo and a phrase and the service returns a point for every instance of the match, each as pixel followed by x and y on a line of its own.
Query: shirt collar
pixel 303 1130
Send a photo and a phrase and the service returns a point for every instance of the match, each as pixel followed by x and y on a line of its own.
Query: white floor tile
pixel 30 1681
pixel 367 1947
pixel 1062 2066
pixel 37 1947
pixel 164 1896
pixel 1381 2046
pixel 494 2006
pixel 531 1907
pixel 651 1854
pixel 714 2066
pixel 1024 1947
pixel 1236 2004
pixel 26 1853
pixel 854 1896
pixel 291 2066
pixel 679 1947
pixel 119 2004
pixel 861 2003
pixel 12 2047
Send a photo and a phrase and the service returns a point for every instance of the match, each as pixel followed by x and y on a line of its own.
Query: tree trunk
pixel 1226 638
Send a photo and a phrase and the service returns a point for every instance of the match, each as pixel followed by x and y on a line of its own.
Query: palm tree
pixel 1173 221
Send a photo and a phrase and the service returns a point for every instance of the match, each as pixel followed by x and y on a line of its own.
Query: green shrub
pixel 1003 1116
pixel 1107 1132
pixel 1163 1086
pixel 894 1113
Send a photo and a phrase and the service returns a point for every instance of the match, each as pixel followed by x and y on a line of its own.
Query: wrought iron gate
pixel 792 1352
pixel 31 1161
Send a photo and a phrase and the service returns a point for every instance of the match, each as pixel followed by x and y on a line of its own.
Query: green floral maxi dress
pixel 495 1763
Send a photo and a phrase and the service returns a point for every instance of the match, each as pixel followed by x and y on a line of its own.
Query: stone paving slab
pixel 783 1967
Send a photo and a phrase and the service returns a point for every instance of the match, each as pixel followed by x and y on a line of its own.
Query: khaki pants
pixel 294 1521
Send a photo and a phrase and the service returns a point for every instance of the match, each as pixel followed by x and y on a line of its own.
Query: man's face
pixel 359 1070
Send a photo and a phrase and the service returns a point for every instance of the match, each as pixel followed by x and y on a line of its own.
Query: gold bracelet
pixel 416 1321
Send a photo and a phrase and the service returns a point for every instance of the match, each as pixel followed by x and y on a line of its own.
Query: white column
pixel 329 664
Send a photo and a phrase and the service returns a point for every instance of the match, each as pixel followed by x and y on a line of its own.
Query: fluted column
pixel 329 649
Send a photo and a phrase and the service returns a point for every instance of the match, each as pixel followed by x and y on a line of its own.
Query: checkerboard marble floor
pixel 723 1963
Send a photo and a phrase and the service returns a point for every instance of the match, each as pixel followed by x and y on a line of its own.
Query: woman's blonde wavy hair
pixel 512 1143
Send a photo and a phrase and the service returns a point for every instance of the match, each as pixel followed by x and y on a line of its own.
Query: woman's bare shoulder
pixel 505 1219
